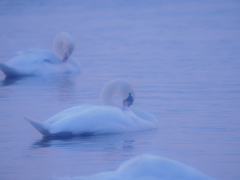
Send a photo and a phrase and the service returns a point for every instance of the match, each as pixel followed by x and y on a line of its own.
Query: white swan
pixel 35 62
pixel 107 118
pixel 150 167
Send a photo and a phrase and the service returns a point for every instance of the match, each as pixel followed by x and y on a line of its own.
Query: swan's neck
pixel 107 95
pixel 118 87
pixel 63 46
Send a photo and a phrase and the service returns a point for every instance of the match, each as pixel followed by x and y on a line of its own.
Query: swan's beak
pixel 128 102
pixel 65 57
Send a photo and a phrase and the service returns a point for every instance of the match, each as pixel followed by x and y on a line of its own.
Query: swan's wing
pixel 144 115
pixel 93 120
pixel 66 113
pixel 99 120
pixel 34 56
pixel 9 71
pixel 41 127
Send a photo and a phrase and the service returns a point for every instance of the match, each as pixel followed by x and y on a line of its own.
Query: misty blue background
pixel 182 58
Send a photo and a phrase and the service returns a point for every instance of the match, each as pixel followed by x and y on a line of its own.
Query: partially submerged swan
pixel 36 62
pixel 147 167
pixel 107 118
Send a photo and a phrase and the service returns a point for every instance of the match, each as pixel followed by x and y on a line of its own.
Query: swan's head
pixel 129 101
pixel 63 46
pixel 119 87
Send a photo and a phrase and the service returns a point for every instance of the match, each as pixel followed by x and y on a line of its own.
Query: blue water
pixel 182 59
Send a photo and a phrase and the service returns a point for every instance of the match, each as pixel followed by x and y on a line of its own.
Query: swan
pixel 150 167
pixel 93 120
pixel 34 62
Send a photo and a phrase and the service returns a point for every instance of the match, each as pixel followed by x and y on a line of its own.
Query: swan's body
pixel 36 62
pixel 148 167
pixel 89 119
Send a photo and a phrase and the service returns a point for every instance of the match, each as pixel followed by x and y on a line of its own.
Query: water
pixel 182 58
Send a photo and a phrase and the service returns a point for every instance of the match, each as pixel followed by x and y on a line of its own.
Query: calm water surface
pixel 182 58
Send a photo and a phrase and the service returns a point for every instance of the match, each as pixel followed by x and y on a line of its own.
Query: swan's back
pixel 97 120
pixel 33 57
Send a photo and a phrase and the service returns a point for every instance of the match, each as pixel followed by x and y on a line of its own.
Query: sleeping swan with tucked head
pixel 35 62
pixel 92 120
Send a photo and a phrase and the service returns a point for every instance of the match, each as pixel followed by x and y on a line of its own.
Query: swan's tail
pixel 41 127
pixel 8 71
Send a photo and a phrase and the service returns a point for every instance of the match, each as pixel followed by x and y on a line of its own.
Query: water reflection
pixel 63 86
pixel 11 80
pixel 87 143
pixel 60 80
